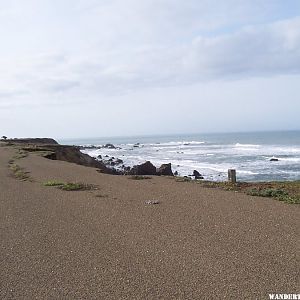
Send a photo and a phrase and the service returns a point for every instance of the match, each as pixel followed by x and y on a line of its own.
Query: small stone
pixel 152 202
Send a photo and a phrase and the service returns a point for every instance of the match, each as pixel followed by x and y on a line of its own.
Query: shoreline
pixel 256 159
pixel 287 191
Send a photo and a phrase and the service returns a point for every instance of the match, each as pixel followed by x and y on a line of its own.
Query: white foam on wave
pixel 247 145
pixel 290 159
pixel 177 143
pixel 247 172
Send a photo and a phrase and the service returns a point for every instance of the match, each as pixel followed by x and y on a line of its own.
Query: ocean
pixel 210 154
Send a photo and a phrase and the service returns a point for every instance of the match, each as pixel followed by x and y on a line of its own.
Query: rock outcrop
pixel 146 168
pixel 52 150
pixel 74 155
pixel 197 175
pixel 165 170
pixel 109 146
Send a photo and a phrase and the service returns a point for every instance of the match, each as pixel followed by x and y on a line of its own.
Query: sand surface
pixel 197 243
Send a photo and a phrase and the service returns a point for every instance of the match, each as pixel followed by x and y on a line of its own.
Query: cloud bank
pixel 74 52
pixel 129 45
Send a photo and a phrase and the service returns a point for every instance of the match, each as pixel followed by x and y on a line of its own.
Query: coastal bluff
pixel 51 149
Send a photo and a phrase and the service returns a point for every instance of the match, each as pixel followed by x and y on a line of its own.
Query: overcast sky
pixel 92 68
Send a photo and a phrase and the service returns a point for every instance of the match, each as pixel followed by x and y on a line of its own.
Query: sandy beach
pixel 108 243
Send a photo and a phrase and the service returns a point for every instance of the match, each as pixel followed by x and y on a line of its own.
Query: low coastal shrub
pixel 53 183
pixel 20 154
pixel 70 186
pixel 279 194
pixel 19 172
pixel 183 179
pixel 286 191
pixel 268 192
pixel 139 177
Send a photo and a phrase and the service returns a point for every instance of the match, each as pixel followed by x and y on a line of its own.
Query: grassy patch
pixel 20 154
pixel 139 177
pixel 19 172
pixel 279 194
pixel 70 186
pixel 224 185
pixel 286 191
pixel 267 192
pixel 53 183
pixel 183 179
pixel 34 149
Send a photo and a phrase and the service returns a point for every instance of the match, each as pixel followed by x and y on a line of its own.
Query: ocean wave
pixel 251 161
pixel 177 143
pixel 289 159
pixel 247 145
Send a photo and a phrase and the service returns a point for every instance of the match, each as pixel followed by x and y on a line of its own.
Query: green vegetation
pixel 279 194
pixel 70 186
pixel 183 179
pixel 20 154
pixel 286 191
pixel 267 192
pixel 139 177
pixel 19 172
pixel 53 183
pixel 224 185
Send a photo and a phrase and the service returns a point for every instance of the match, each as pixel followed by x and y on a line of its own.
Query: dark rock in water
pixel 106 155
pixel 165 170
pixel 136 145
pixel 99 156
pixel 119 161
pixel 146 168
pixel 109 146
pixel 126 170
pixel 197 175
pixel 175 173
pixel 274 159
